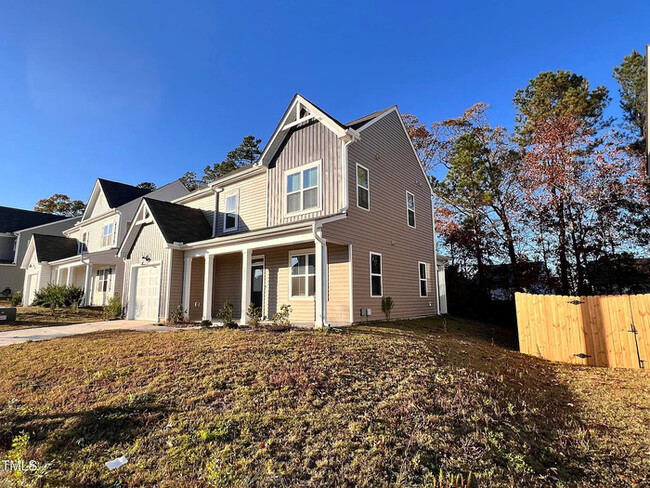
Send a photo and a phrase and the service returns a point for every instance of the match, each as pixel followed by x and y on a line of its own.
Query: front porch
pixel 312 276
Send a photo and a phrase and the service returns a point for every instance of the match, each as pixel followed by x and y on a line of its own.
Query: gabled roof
pixel 53 248
pixel 179 223
pixel 118 194
pixel 13 219
pixel 360 122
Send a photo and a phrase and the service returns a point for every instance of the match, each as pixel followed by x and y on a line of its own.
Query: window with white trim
pixel 410 209
pixel 303 189
pixel 231 217
pixel 108 235
pixel 424 289
pixel 303 275
pixel 376 280
pixel 104 279
pixel 363 187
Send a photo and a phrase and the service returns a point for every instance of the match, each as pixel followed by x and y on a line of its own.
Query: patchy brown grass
pixel 30 317
pixel 400 404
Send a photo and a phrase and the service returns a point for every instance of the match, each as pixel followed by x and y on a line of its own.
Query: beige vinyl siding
pixel 338 304
pixel 385 150
pixel 100 207
pixel 305 145
pixel 196 289
pixel 227 283
pixel 206 204
pixel 95 231
pixel 176 285
pixel 150 242
pixel 252 204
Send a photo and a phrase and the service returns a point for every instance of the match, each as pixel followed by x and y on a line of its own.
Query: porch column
pixel 187 283
pixel 68 279
pixel 58 276
pixel 246 259
pixel 321 283
pixel 208 279
pixel 88 283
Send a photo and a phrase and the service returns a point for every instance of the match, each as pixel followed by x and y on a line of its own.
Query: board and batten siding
pixel 196 289
pixel 150 242
pixel 384 149
pixel 176 284
pixel 305 145
pixel 227 283
pixel 252 204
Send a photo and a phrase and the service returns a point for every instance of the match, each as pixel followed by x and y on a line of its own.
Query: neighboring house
pixel 330 220
pixel 16 228
pixel 87 258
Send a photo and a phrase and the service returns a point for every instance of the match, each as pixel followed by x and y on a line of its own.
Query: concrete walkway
pixel 44 333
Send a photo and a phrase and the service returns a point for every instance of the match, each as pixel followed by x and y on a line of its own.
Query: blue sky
pixel 146 90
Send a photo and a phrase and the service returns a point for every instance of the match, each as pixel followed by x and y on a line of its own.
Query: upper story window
pixel 303 275
pixel 424 289
pixel 410 209
pixel 231 217
pixel 303 189
pixel 83 244
pixel 363 187
pixel 108 235
pixel 376 275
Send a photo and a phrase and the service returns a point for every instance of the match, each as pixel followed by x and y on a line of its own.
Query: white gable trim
pixel 31 249
pixel 138 221
pixel 395 110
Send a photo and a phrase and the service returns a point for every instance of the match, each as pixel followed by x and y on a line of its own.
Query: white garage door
pixel 146 293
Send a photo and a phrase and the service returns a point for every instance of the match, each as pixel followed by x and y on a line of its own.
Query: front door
pixel 103 286
pixel 257 283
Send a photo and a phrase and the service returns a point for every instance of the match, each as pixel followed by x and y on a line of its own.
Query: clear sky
pixel 147 90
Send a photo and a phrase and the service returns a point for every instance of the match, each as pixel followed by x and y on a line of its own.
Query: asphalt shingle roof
pixel 118 194
pixel 53 248
pixel 13 219
pixel 179 223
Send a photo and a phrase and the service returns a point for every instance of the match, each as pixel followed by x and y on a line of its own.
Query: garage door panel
pixel 147 292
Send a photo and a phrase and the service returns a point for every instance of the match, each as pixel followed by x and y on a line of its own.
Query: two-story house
pixel 330 220
pixel 86 254
pixel 16 229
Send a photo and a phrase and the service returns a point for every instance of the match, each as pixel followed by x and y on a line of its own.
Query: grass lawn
pixel 30 317
pixel 386 405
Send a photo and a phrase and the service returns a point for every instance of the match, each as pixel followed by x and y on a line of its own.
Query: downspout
pixel 435 256
pixel 170 255
pixel 350 137
pixel 216 210
pixel 317 230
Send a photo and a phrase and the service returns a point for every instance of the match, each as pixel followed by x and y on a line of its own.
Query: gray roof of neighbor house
pixel 179 223
pixel 13 219
pixel 118 194
pixel 53 248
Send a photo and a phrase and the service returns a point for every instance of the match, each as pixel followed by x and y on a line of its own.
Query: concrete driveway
pixel 44 333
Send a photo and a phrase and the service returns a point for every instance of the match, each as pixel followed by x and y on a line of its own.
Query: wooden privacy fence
pixel 611 331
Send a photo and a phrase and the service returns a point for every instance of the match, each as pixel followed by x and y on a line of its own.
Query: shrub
pixel 387 305
pixel 54 296
pixel 177 316
pixel 281 318
pixel 113 309
pixel 17 299
pixel 225 314
pixel 254 315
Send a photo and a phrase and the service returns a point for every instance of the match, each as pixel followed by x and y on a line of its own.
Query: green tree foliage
pixel 631 77
pixel 553 94
pixel 147 185
pixel 248 152
pixel 60 204
pixel 190 181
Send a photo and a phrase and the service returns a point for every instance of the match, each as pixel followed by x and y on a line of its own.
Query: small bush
pixel 281 318
pixel 113 309
pixel 225 315
pixel 17 299
pixel 254 315
pixel 177 316
pixel 387 305
pixel 56 296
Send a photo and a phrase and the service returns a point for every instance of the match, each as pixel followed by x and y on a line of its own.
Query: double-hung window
pixel 410 209
pixel 303 189
pixel 108 235
pixel 422 270
pixel 303 275
pixel 376 281
pixel 104 279
pixel 363 187
pixel 231 217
